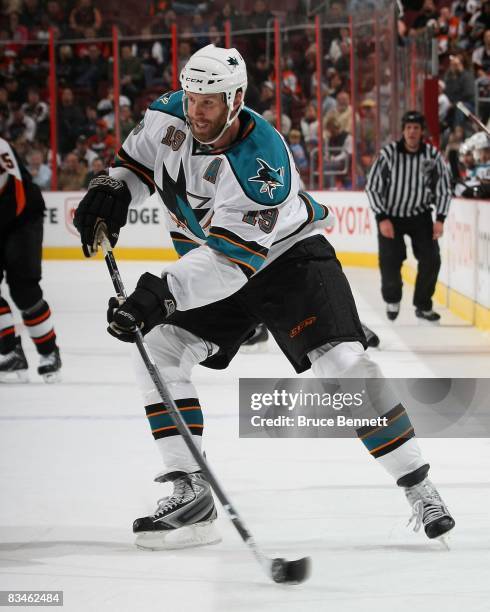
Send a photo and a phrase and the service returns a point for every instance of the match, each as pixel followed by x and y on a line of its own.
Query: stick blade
pixel 290 572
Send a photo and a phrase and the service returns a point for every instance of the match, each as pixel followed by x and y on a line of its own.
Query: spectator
pixel 261 70
pixel 18 32
pixel 157 8
pixel 342 64
pixel 481 22
pixel 37 110
pixel 85 16
pixel 70 121
pixel 103 143
pixel 367 128
pixel 90 120
pixel 93 69
pixel 266 99
pixel 298 151
pixel 200 30
pixel 84 152
pixel 444 105
pixel 96 167
pixel 14 90
pixel 31 14
pixel 153 55
pixel 66 66
pixel 21 125
pixel 261 16
pixel 335 51
pixel 342 112
pixel 338 154
pixel 126 122
pixel 271 116
pixel 481 56
pixel 40 172
pixel 429 13
pixel 105 107
pixel 215 36
pixel 227 13
pixel 55 13
pixel 133 77
pixel 460 87
pixel 72 174
pixel 309 126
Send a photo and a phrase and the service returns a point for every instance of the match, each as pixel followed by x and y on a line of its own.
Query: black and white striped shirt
pixel 404 184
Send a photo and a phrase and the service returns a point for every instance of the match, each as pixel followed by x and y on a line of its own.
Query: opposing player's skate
pixel 257 343
pixel 50 366
pixel 429 510
pixel 183 520
pixel 13 365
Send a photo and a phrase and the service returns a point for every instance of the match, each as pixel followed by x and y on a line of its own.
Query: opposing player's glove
pixel 106 202
pixel 149 305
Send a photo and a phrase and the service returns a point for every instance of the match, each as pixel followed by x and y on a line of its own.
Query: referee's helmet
pixel 413 116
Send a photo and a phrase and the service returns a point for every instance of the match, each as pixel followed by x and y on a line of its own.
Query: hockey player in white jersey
pixel 252 251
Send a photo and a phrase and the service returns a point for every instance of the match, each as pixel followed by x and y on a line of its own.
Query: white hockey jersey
pixel 230 211
pixel 10 172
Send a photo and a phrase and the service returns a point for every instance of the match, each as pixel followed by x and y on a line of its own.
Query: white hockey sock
pixel 175 351
pixel 393 445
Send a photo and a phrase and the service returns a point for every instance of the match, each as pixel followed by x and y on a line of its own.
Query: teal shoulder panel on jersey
pixel 261 164
pixel 170 104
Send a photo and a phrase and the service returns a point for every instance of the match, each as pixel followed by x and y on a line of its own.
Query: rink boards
pixel 464 281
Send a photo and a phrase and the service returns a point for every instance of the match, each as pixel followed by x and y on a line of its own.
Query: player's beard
pixel 211 129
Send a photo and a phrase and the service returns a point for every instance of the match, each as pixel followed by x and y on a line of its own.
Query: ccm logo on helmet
pixel 194 80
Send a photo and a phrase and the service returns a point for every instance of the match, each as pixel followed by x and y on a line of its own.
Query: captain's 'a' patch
pixel 212 170
pixel 270 178
pixel 139 127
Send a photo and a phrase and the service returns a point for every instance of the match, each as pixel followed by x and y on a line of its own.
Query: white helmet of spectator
pixel 214 70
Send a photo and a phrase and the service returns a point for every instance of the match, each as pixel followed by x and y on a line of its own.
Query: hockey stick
pixel 279 570
pixel 466 111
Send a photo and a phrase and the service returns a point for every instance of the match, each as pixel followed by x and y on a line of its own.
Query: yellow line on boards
pixel 138 254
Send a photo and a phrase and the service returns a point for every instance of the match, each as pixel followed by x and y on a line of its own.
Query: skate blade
pixel 254 349
pixel 15 377
pixel 51 377
pixel 425 323
pixel 444 541
pixel 200 534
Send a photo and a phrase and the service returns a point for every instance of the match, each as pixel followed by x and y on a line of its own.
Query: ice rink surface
pixel 77 461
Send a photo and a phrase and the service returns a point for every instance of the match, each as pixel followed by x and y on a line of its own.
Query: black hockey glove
pixel 106 201
pixel 149 305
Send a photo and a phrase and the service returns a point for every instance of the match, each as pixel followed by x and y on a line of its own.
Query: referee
pixel 407 179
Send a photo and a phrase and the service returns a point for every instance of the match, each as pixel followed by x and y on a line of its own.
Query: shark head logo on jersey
pixel 271 179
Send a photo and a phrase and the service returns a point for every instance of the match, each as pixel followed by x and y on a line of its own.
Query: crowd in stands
pixel 84 68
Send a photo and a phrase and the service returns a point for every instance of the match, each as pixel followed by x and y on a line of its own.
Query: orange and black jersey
pixel 20 197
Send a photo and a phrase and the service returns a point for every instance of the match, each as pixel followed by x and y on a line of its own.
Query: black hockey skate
pixel 13 365
pixel 427 315
pixel 184 519
pixel 429 510
pixel 257 343
pixel 49 366
pixel 371 337
pixel 392 310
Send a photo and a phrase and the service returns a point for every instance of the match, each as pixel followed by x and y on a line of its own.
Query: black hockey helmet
pixel 413 116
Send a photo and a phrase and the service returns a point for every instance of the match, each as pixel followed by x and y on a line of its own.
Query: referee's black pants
pixel 393 252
